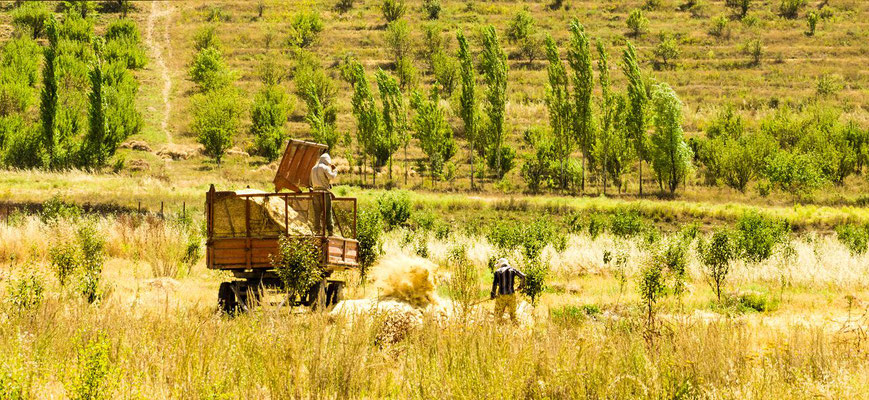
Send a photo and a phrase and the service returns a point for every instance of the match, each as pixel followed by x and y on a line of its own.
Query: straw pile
pixel 266 215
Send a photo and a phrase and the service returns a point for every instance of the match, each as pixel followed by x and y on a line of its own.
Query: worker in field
pixel 321 184
pixel 503 291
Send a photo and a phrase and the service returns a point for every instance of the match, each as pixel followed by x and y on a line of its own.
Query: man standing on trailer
pixel 321 185
pixel 502 289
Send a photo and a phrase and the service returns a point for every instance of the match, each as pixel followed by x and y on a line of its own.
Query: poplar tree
pixel 558 102
pixel 367 116
pixel 394 120
pixel 671 154
pixel 637 105
pixel 494 69
pixel 468 98
pixel 48 100
pixel 604 141
pixel 93 151
pixel 579 57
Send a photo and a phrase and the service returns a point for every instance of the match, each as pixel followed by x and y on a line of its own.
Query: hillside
pixel 709 74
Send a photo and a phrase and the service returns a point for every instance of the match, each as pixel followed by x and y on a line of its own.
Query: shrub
pixel 206 37
pixel 464 281
pixel 63 259
pixel 828 85
pixel 432 8
pixel 304 28
pixel 393 9
pixel 446 73
pixel 93 253
pixel 754 49
pixel 720 28
pixel 342 6
pixel 22 147
pixel 626 223
pixel 55 209
pixel 637 23
pixel 268 113
pixel 651 288
pixel 216 120
pixel 757 236
pixel 716 257
pixel 790 9
pixel 651 5
pixel 369 226
pixel 398 39
pixel 797 174
pixel 597 224
pixel 33 15
pixel 739 7
pixel 395 207
pixel 854 237
pixel 216 14
pixel 535 280
pixel 297 264
pixel 25 294
pixel 508 161
pixel 209 71
pixel 93 378
pixel 812 19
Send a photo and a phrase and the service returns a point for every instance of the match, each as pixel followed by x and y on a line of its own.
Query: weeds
pixel 94 372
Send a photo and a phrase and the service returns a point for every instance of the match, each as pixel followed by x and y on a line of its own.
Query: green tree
pixel 579 58
pixel 666 52
pixel 468 98
pixel 637 108
pixel 717 255
pixel 368 120
pixel 494 70
pixel 522 32
pixel 394 115
pixel 96 147
pixel 560 108
pixel 48 104
pixel 431 129
pixel 297 264
pixel 671 156
pixel 216 120
pixel 318 92
pixel 612 149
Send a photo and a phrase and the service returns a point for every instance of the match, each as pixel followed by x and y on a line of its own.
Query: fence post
pixel 161 210
pixel 139 209
pixel 184 209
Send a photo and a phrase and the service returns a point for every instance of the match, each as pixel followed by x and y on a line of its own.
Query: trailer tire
pixel 226 300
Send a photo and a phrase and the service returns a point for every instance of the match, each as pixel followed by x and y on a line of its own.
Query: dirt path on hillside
pixel 161 49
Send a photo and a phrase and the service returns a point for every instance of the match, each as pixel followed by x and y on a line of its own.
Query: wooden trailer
pixel 243 228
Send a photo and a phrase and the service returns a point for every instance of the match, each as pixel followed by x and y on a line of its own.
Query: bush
pixel 297 264
pixel 393 9
pixel 209 71
pixel 446 73
pixel 25 293
pixel 464 281
pixel 508 160
pixel 739 7
pixel 797 174
pixel 432 8
pixel 720 28
pixel 398 39
pixel 55 209
pixel 369 227
pixel 828 85
pixel 854 237
pixel 304 28
pixel 790 9
pixel 535 280
pixel 626 223
pixel 637 23
pixel 33 15
pixel 395 207
pixel 206 37
pixel 342 6
pixel 268 114
pixel 757 236
pixel 812 19
pixel 216 120
pixel 22 147
pixel 92 246
pixel 93 378
pixel 754 49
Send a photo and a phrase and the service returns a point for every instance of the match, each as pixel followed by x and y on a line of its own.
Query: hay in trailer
pixel 266 215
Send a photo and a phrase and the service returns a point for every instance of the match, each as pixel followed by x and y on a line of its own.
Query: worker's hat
pixel 502 262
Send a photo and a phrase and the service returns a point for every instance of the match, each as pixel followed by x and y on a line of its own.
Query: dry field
pixel 155 331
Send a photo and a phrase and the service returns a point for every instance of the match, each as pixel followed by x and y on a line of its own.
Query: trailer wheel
pixel 334 293
pixel 226 301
